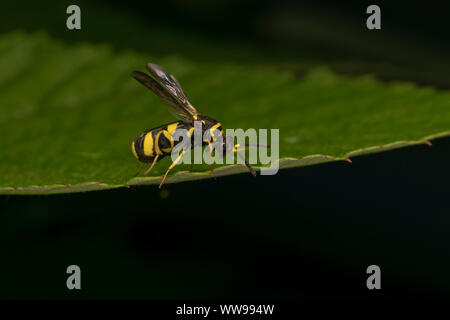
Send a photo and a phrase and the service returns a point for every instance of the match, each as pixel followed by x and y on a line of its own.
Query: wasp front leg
pixel 228 147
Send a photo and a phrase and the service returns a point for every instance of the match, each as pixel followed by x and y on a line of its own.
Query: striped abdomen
pixel 159 141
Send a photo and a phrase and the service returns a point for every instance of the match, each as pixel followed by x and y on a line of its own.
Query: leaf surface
pixel 68 113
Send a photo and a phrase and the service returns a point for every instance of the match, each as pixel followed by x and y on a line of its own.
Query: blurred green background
pixel 292 34
pixel 305 233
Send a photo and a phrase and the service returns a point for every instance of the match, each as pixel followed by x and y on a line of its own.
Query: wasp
pixel 153 145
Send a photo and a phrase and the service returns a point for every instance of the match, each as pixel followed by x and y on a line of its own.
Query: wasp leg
pixel 249 167
pixel 211 154
pixel 153 164
pixel 140 169
pixel 171 167
pixel 246 147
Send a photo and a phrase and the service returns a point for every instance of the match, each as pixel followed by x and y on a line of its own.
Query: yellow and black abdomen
pixel 159 141
pixel 155 142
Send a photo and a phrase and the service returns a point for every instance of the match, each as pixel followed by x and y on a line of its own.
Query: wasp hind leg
pixel 170 168
pixel 151 167
pixel 140 169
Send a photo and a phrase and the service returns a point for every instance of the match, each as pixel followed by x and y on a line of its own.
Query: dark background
pixel 305 233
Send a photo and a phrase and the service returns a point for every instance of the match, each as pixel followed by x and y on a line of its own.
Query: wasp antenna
pixel 257 145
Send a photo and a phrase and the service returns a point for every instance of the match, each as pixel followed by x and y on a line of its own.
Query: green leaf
pixel 68 114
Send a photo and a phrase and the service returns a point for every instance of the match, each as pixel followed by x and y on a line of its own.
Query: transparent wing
pixel 172 86
pixel 174 105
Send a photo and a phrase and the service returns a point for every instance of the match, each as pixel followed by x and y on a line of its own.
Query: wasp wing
pixel 172 86
pixel 154 86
